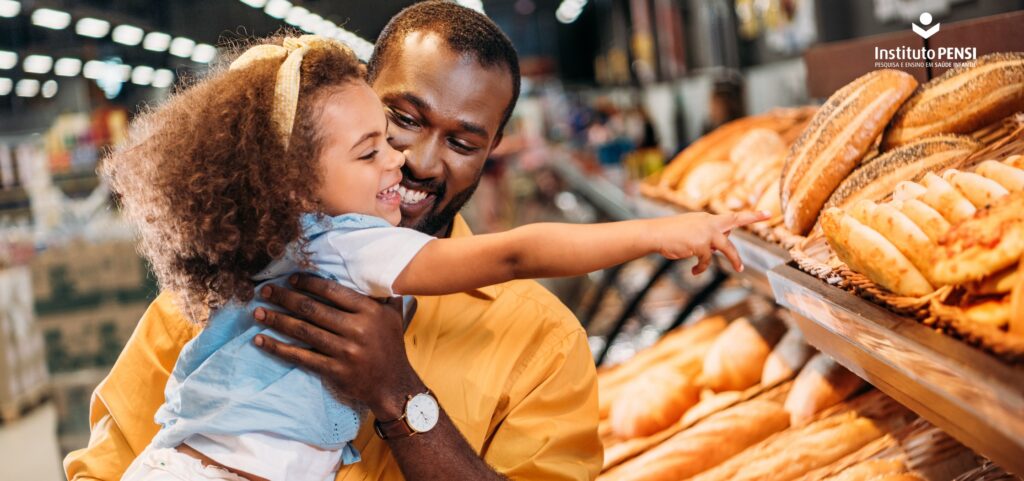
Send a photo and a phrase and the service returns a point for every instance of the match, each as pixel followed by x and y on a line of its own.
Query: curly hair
pixel 213 193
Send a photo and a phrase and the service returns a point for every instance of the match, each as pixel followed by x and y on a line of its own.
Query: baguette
pixel 839 135
pixel 979 190
pixel 713 146
pixel 870 253
pixel 1010 177
pixel 988 243
pixel 962 100
pixel 928 219
pixel 875 180
pixel 789 355
pixel 736 358
pixel 946 199
pixel 653 402
pixel 705 445
pixel 822 383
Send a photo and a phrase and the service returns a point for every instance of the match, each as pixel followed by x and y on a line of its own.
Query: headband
pixel 286 86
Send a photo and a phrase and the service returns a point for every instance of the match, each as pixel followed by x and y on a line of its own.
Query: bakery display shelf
pixel 967 393
pixel 604 195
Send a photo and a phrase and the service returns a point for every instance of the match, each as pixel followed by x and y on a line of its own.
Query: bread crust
pixel 983 245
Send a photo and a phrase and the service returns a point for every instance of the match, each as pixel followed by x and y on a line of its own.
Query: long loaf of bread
pixel 962 100
pixel 653 401
pixel 821 384
pixel 737 356
pixel 705 445
pixel 839 135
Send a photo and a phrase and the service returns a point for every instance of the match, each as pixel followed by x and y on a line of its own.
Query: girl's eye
pixel 370 155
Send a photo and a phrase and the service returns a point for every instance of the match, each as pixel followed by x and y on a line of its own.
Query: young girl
pixel 281 164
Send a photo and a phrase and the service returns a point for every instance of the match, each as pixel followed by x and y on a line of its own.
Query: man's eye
pixel 461 146
pixel 403 120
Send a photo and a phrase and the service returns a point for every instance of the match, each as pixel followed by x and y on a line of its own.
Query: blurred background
pixel 612 89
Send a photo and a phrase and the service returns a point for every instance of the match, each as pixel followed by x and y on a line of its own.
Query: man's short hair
pixel 465 30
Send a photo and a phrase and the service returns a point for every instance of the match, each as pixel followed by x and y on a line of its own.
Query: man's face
pixel 444 110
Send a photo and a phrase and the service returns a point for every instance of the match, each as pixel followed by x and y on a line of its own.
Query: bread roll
pixel 962 100
pixel 979 190
pixel 1011 178
pixel 993 312
pixel 946 199
pixel 705 445
pixel 870 470
pixel 928 219
pixel 797 452
pixel 1017 303
pixel 769 201
pixel 875 180
pixel 871 254
pixel 1000 283
pixel 736 358
pixel 704 182
pixel 789 355
pixel 910 239
pixel 906 190
pixel 1015 161
pixel 836 140
pixel 822 383
pixel 652 402
pixel 988 243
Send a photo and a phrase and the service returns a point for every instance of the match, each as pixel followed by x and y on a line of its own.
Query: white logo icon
pixel 926 19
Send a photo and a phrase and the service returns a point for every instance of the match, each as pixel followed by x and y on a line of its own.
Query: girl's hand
pixel 700 234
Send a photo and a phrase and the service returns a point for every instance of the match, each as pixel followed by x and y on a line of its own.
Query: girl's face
pixel 361 169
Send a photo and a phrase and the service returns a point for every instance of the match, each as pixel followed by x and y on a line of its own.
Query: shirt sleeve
pixel 560 397
pixel 373 258
pixel 123 405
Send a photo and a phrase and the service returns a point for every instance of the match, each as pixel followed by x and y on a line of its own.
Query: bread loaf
pixel 979 190
pixel 836 140
pixel 987 243
pixel 1011 178
pixel 962 100
pixel 1015 161
pixel 910 239
pixel 870 470
pixel 652 402
pixel 822 383
pixel 871 254
pixel 736 358
pixel 875 180
pixel 705 445
pixel 928 219
pixel 946 199
pixel 907 190
pixel 789 355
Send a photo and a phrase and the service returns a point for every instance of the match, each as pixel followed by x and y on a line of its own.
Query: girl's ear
pixel 362 70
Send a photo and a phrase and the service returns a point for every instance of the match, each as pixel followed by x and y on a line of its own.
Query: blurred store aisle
pixel 39 457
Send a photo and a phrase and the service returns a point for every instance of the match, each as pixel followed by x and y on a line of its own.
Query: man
pixel 508 364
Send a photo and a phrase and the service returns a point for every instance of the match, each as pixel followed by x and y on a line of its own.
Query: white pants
pixel 173 465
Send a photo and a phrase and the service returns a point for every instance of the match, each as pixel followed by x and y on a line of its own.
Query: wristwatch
pixel 421 415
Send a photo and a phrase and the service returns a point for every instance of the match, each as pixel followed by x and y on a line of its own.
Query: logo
pixel 926 19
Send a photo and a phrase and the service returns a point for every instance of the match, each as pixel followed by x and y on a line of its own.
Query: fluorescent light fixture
pixel 127 35
pixel 204 53
pixel 67 67
pixel 477 5
pixel 27 87
pixel 9 8
pixel 311 22
pixel 49 89
pixel 50 18
pixel 142 75
pixel 8 59
pixel 255 3
pixel 182 47
pixel 94 69
pixel 92 27
pixel 39 64
pixel 296 15
pixel 123 71
pixel 278 8
pixel 163 78
pixel 156 41
pixel 6 85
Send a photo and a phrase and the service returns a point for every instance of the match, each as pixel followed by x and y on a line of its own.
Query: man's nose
pixel 422 159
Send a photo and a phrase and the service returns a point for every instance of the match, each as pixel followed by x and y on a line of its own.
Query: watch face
pixel 421 412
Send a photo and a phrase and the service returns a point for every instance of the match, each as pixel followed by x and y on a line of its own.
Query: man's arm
pixel 359 347
pixel 123 405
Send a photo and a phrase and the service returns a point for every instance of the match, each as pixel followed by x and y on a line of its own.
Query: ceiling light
pixel 28 87
pixel 8 59
pixel 156 41
pixel 93 69
pixel 163 78
pixel 49 88
pixel 67 67
pixel 142 75
pixel 9 8
pixel 5 86
pixel 124 72
pixel 296 15
pixel 127 35
pixel 477 5
pixel 182 47
pixel 204 53
pixel 255 3
pixel 311 22
pixel 92 27
pixel 50 18
pixel 278 8
pixel 39 64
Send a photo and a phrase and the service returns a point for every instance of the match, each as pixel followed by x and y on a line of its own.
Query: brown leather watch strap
pixel 393 429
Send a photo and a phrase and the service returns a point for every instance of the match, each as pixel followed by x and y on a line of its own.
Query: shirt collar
pixel 461 229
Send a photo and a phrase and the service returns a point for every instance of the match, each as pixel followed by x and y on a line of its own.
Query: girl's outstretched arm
pixel 446 266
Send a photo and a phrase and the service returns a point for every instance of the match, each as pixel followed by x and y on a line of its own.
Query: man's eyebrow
pixel 473 128
pixel 415 100
pixel 422 105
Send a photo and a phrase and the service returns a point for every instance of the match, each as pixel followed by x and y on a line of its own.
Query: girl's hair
pixel 211 188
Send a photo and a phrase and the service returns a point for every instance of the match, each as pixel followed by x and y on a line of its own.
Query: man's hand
pixel 356 342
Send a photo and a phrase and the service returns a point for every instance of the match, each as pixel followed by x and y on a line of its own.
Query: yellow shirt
pixel 508 363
